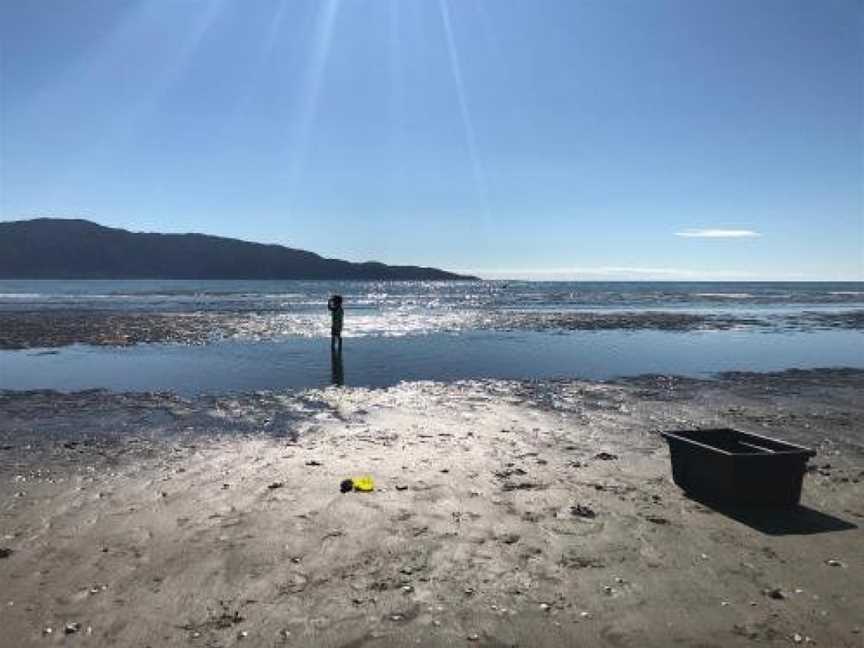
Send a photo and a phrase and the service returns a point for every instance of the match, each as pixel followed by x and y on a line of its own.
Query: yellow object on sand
pixel 364 483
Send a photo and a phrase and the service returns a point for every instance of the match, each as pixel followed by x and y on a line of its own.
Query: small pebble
pixel 407 589
pixel 580 510
pixel 545 607
pixel 242 634
pixel 657 519
pixel 72 628
pixel 833 563
pixel 797 638
pixel 608 589
pixel 585 615
pixel 473 637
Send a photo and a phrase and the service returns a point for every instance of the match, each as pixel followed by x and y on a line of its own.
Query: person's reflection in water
pixel 337 370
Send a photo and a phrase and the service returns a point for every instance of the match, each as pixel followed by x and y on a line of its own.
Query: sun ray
pixel 480 182
pixel 275 27
pixel 264 54
pixel 309 96
pixel 172 73
pixel 102 63
pixel 394 71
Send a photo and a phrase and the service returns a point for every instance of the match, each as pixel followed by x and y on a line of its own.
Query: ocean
pixel 232 336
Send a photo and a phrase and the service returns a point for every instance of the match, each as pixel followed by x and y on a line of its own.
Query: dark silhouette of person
pixel 334 305
pixel 337 369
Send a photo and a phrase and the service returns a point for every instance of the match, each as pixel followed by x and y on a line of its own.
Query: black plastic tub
pixel 732 467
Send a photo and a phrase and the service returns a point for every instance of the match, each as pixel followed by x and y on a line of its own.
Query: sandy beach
pixel 505 514
pixel 330 324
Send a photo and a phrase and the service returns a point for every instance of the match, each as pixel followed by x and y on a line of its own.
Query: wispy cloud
pixel 718 233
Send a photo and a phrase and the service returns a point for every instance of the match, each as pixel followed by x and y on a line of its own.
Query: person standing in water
pixel 334 305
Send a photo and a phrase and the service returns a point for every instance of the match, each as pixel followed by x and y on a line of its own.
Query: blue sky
pixel 574 139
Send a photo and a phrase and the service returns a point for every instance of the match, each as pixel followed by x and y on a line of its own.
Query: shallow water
pixel 375 361
pixel 218 336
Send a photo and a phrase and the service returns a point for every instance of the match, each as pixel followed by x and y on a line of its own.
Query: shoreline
pixel 148 518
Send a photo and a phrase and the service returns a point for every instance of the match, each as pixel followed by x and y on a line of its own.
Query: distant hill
pixel 52 248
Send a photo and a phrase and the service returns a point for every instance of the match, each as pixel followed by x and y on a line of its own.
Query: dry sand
pixel 505 514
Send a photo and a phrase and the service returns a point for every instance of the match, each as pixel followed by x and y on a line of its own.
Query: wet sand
pixel 505 514
pixel 59 328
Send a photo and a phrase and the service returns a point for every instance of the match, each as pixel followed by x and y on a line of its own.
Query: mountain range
pixel 54 248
